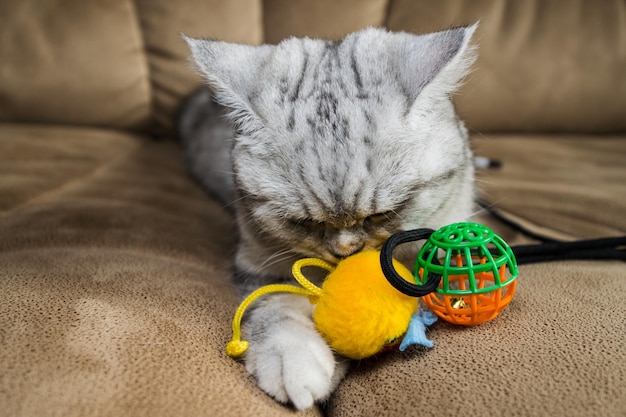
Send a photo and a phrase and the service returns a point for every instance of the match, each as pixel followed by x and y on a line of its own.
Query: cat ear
pixel 436 61
pixel 232 71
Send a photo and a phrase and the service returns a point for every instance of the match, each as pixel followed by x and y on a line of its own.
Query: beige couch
pixel 114 265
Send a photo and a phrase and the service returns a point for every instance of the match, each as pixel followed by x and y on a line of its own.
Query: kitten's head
pixel 342 144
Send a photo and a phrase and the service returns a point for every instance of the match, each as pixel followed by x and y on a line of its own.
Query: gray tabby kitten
pixel 337 146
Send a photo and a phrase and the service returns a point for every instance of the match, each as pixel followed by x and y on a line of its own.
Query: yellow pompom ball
pixel 359 312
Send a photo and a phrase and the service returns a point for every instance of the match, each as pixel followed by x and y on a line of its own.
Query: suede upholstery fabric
pixel 543 65
pixel 171 72
pixel 325 19
pixel 114 264
pixel 114 280
pixel 73 62
pixel 569 187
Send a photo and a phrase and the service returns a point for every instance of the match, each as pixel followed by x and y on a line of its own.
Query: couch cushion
pixel 163 22
pixel 114 282
pixel 75 62
pixel 557 350
pixel 37 162
pixel 566 186
pixel 541 66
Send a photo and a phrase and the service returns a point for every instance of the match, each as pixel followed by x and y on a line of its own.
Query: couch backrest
pixel 113 63
pixel 544 65
pixel 163 22
pixel 72 62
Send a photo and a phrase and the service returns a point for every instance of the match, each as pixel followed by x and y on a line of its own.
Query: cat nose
pixel 345 245
pixel 344 253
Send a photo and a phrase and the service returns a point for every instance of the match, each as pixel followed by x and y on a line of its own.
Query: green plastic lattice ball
pixel 478 273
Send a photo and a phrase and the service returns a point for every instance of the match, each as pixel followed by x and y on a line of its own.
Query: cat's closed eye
pixel 373 220
pixel 306 223
pixel 378 218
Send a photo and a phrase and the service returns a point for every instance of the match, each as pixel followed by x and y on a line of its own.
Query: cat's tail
pixel 206 138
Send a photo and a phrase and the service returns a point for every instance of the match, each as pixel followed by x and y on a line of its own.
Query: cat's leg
pixel 206 138
pixel 288 357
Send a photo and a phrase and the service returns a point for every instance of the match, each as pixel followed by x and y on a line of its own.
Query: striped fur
pixel 338 145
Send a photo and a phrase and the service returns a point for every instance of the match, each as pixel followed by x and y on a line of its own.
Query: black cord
pixel 592 249
pixel 512 224
pixel 590 255
pixel 556 250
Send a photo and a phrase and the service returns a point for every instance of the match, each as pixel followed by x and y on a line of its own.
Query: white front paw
pixel 294 364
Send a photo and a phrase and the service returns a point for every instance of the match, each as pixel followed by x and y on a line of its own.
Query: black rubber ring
pixel 386 263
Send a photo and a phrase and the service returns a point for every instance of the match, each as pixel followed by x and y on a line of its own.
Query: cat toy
pixel 359 313
pixel 356 310
pixel 473 271
pixel 469 272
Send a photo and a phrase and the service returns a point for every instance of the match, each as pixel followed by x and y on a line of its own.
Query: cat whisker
pixel 395 213
pixel 243 197
pixel 478 212
pixel 224 172
pixel 276 254
pixel 485 207
pixel 483 181
pixel 276 257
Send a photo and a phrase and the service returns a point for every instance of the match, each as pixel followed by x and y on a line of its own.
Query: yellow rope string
pixel 296 271
pixel 237 347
